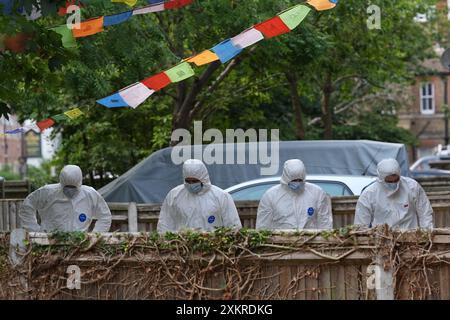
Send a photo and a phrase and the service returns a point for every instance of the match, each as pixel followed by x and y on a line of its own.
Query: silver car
pixel 334 185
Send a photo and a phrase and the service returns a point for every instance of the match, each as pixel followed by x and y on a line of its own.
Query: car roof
pixel 355 183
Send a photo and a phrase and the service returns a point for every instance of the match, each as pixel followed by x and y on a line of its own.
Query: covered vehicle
pixel 151 179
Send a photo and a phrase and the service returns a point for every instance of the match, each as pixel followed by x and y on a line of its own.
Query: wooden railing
pixel 314 267
pixel 132 217
pixel 12 189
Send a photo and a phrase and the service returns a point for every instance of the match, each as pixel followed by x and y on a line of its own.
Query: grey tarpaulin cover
pixel 151 179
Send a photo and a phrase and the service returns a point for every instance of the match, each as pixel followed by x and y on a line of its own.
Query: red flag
pixel 44 124
pixel 17 43
pixel 157 82
pixel 173 4
pixel 62 11
pixel 272 27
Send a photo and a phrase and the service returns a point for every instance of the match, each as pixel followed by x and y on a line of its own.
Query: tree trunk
pixel 186 98
pixel 327 113
pixel 296 105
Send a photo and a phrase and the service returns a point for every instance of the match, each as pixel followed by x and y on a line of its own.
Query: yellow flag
pixel 321 4
pixel 131 3
pixel 74 113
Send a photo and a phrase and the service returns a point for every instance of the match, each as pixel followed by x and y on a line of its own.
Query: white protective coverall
pixel 58 212
pixel 283 208
pixel 208 209
pixel 405 207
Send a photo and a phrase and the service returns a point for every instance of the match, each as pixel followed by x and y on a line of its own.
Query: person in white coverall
pixel 197 204
pixel 294 203
pixel 397 201
pixel 65 206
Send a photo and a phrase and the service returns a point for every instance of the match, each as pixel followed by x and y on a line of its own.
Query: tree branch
pixel 233 64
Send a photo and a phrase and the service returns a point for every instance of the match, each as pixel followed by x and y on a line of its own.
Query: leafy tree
pixel 328 78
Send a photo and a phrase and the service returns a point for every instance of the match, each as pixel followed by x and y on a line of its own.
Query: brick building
pixel 424 114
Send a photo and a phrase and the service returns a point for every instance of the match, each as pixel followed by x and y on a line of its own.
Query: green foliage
pixel 75 238
pixel 40 176
pixel 8 174
pixel 332 45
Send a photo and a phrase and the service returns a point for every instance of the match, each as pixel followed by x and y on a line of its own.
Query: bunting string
pixel 135 94
pixel 96 25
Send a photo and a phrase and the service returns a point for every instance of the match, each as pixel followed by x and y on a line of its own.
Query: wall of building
pixel 428 128
pixel 11 146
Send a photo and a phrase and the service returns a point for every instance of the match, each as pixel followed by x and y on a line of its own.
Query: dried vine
pixel 225 264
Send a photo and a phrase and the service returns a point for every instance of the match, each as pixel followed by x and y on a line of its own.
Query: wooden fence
pixel 12 189
pixel 132 217
pixel 325 268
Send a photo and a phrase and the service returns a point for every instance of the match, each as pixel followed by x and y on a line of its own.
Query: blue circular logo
pixel 211 219
pixel 82 217
pixel 310 211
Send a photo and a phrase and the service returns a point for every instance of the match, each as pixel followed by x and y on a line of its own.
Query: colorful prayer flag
pixel 32 126
pixel 131 3
pixel 226 50
pixel 151 8
pixel 321 5
pixel 135 94
pixel 202 58
pixel 74 113
pixel 113 101
pixel 180 72
pixel 44 124
pixel 247 38
pixel 59 117
pixel 173 4
pixel 88 27
pixel 272 27
pixel 116 18
pixel 67 39
pixel 17 43
pixel 294 16
pixel 7 6
pixel 157 82
pixel 18 130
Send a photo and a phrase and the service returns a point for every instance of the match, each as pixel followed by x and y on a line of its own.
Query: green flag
pixel 60 117
pixel 180 72
pixel 294 16
pixel 68 40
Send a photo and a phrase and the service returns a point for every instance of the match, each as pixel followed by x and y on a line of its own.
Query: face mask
pixel 391 186
pixel 70 192
pixel 296 186
pixel 194 187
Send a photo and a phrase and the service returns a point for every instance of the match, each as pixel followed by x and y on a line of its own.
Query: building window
pixel 427 98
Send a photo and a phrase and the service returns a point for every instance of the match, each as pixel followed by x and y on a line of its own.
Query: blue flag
pixel 113 101
pixel 116 18
pixel 226 50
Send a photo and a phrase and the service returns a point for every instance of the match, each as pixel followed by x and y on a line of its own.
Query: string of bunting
pixel 96 25
pixel 47 123
pixel 135 94
pixel 91 26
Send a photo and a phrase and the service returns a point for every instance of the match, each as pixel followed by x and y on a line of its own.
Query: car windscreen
pixel 255 192
pixel 252 193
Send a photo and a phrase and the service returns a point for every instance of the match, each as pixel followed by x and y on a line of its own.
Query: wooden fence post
pixel 2 188
pixel 132 217
pixel 385 279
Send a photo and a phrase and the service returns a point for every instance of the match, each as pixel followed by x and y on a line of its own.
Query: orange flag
pixel 88 27
pixel 205 57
